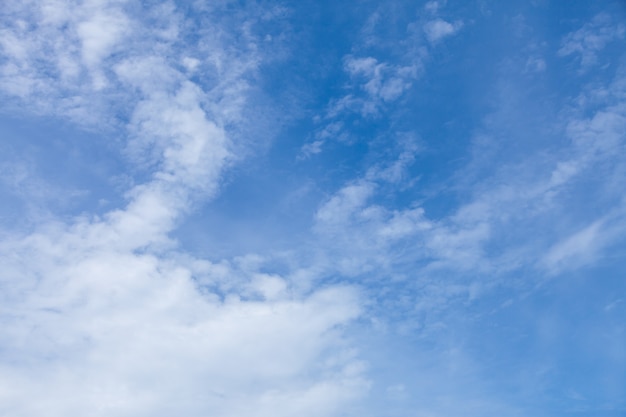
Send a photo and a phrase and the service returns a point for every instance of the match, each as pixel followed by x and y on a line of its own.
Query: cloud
pixel 576 250
pixel 380 81
pixel 374 84
pixel 103 314
pixel 127 333
pixel 439 29
pixel 76 39
pixel 434 6
pixel 345 203
pixel 379 78
pixel 486 234
pixel 586 246
pixel 591 39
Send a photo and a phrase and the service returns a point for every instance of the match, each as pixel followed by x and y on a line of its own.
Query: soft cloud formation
pixel 592 38
pixel 377 84
pixel 92 328
pixel 373 83
pixel 423 223
pixel 65 42
pixel 433 6
pixel 439 29
pixel 102 315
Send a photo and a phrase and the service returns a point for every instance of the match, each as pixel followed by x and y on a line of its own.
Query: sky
pixel 313 208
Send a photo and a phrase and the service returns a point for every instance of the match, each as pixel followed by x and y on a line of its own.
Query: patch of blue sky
pixel 314 208
pixel 51 169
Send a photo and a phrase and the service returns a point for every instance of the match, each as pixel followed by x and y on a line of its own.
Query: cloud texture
pixel 393 209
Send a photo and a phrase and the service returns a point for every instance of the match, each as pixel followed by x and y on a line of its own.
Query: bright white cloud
pixel 125 333
pixel 102 316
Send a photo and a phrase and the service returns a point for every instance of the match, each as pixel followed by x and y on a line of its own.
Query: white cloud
pixel 102 315
pixel 132 334
pixel 576 250
pixel 99 35
pixel 433 6
pixel 586 246
pixel 487 234
pixel 342 206
pixel 76 38
pixel 591 39
pixel 439 29
pixel 397 170
pixel 381 82
pixel 374 84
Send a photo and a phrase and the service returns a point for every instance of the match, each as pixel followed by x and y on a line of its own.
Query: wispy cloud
pixel 488 234
pixel 376 83
pixel 589 40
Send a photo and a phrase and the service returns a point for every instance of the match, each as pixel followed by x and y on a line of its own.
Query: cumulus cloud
pixel 103 315
pixel 92 328
pixel 61 41
pixel 439 29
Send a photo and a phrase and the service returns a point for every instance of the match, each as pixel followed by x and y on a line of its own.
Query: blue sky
pixel 313 208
